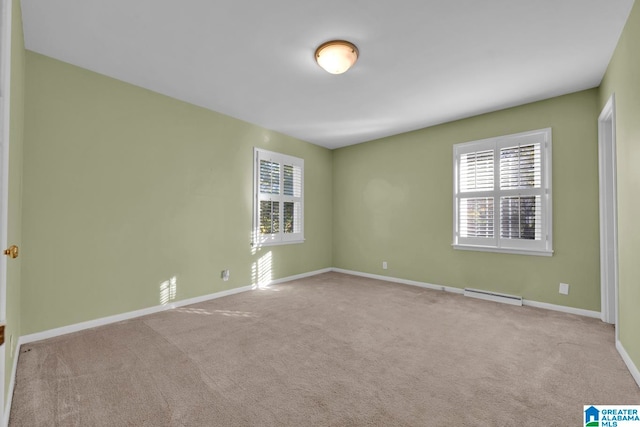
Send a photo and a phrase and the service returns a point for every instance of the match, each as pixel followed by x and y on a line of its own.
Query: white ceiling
pixel 422 62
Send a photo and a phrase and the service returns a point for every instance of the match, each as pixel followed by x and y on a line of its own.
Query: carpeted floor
pixel 330 350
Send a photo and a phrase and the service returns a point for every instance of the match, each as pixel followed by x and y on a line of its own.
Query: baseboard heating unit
pixel 493 296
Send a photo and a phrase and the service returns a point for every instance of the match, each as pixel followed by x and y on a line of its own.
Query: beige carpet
pixel 330 350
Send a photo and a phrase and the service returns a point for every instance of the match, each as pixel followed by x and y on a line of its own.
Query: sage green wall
pixel 393 202
pixel 125 188
pixel 623 79
pixel 15 188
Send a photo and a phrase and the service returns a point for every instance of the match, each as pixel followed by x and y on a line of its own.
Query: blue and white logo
pixel 612 415
pixel 592 417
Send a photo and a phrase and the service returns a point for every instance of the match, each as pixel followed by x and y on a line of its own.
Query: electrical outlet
pixel 564 289
pixel 224 275
pixel 384 265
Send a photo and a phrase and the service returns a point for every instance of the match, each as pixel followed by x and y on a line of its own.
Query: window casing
pixel 502 194
pixel 278 198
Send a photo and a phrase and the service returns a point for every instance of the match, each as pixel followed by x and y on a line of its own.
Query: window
pixel 502 194
pixel 278 213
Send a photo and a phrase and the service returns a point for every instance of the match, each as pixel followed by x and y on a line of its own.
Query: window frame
pixel 279 238
pixel 542 247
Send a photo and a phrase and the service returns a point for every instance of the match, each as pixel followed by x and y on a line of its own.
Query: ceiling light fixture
pixel 336 56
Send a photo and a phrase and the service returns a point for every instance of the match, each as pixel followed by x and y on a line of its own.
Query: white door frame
pixel 5 79
pixel 608 213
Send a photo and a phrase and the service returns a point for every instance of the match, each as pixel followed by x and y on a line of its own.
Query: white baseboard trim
pixel 51 333
pixel 300 276
pixel 402 281
pixel 12 384
pixel 635 373
pixel 562 308
pixel 547 306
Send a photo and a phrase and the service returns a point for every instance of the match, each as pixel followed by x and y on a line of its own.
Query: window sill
pixel 279 243
pixel 501 250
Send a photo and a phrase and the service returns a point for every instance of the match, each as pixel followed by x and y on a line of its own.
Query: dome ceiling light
pixel 336 56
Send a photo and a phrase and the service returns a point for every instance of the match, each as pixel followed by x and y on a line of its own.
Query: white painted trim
pixel 635 373
pixel 51 333
pixel 501 250
pixel 562 308
pixel 5 121
pixel 126 316
pixel 608 213
pixel 547 306
pixel 12 384
pixel 398 280
pixel 300 276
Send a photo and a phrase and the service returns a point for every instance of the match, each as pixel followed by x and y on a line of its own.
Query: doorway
pixel 608 214
pixel 5 70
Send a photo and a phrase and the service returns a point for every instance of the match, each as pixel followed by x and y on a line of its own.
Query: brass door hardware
pixel 12 251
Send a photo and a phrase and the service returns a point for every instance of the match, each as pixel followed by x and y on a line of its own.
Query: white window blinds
pixel 278 198
pixel 502 193
pixel 476 171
